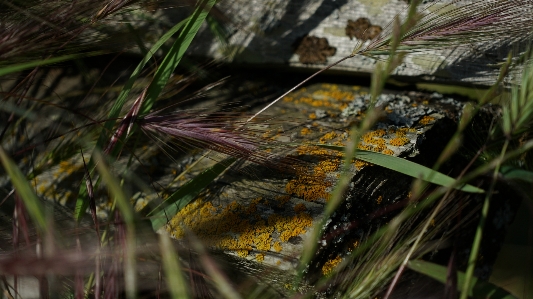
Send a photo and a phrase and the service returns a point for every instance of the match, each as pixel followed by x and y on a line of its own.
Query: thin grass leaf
pixel 176 52
pixel 128 216
pixel 161 77
pixel 514 173
pixel 518 112
pixel 173 272
pixel 82 203
pixel 23 188
pixel 31 64
pixel 478 289
pixel 407 167
pixel 184 195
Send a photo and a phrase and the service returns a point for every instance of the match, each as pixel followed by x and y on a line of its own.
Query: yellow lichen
pixel 330 265
pixel 360 164
pixel 260 257
pixel 277 247
pixel 426 120
pixel 289 227
pixel 388 152
pixel 327 137
pixel 379 200
pixel 399 141
pixel 228 228
pixel 305 131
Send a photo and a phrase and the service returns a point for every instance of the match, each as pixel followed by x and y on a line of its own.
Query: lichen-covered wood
pixel 267 216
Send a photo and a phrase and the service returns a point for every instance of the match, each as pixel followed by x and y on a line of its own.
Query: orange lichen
pixel 305 131
pixel 401 132
pixel 399 141
pixel 328 136
pixel 388 152
pixel 324 167
pixel 330 265
pixel 360 164
pixel 308 188
pixel 289 227
pixel 365 147
pixel 426 120
pixel 228 228
pixel 277 247
pixel 379 200
pixel 312 116
pixel 311 184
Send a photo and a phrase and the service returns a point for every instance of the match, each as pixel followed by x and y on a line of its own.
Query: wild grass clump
pixel 120 255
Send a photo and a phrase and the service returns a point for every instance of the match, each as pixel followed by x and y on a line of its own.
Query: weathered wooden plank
pixel 267 216
pixel 268 33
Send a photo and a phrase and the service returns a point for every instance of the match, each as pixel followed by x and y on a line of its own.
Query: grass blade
pixel 478 289
pixel 128 216
pixel 24 189
pixel 173 272
pixel 184 195
pixel 407 167
pixel 170 62
pixel 176 52
pixel 31 64
pixel 82 202
pixel 514 173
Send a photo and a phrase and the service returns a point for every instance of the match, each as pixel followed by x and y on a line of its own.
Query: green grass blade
pixel 25 191
pixel 478 289
pixel 82 202
pixel 513 173
pixel 31 64
pixel 184 195
pixel 176 52
pixel 173 272
pixel 408 168
pixel 128 216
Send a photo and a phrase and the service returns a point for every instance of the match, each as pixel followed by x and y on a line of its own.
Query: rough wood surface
pixel 267 34
pixel 266 216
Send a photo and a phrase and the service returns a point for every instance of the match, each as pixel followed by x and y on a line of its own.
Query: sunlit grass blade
pixel 174 277
pixel 23 188
pixel 478 289
pixel 5 70
pixel 128 215
pixel 176 52
pixel 184 195
pixel 407 167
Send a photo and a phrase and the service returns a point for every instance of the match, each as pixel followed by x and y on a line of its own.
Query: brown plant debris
pixel 312 49
pixel 362 29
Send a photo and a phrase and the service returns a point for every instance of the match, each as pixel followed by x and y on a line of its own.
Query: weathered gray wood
pixel 266 33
